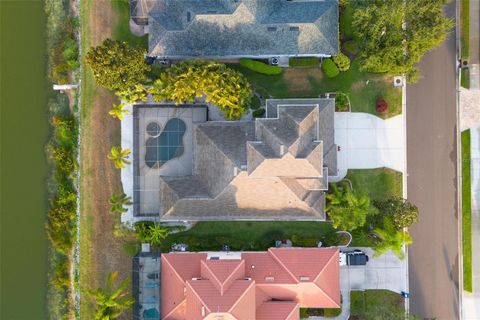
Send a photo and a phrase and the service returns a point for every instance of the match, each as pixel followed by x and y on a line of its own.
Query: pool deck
pixel 139 181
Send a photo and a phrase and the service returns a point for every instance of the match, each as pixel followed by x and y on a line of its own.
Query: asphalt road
pixel 432 185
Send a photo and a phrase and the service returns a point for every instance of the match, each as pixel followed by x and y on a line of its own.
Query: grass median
pixel 466 213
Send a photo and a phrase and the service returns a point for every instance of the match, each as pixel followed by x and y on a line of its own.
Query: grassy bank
pixel 61 150
pixel 466 213
pixel 100 251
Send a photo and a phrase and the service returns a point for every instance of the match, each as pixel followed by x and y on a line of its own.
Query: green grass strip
pixel 465 28
pixel 466 213
pixel 465 78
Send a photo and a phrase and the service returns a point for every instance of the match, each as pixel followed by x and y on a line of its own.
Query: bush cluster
pixel 61 151
pixel 260 67
pixel 304 62
pixel 341 101
pixel 342 61
pixel 330 68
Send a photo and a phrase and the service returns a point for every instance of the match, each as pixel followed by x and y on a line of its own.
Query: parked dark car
pixel 353 258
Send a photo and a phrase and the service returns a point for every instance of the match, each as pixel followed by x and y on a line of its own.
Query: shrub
pixel 131 248
pixel 255 103
pixel 330 313
pixel 260 67
pixel 341 101
pixel 330 68
pixel 303 62
pixel 342 61
pixel 350 46
pixel 258 113
pixel 382 106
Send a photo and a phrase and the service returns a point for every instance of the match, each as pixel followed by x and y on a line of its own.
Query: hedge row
pixel 304 62
pixel 260 67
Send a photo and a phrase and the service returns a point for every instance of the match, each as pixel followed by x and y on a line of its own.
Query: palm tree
pixel 118 111
pixel 119 156
pixel 391 238
pixel 110 301
pixel 348 210
pixel 118 201
pixel 156 234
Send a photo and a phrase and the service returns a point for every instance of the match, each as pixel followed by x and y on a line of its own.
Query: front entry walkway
pixel 368 142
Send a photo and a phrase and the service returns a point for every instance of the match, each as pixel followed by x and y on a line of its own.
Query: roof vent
pixel 304 278
pixel 271 28
pixel 269 279
pixel 294 29
pixel 203 311
pixel 253 267
pixel 189 16
pixel 195 279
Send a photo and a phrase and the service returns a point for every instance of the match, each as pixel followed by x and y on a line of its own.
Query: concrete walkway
pixel 471 301
pixel 368 142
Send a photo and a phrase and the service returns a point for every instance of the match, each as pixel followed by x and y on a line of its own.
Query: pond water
pixel 23 169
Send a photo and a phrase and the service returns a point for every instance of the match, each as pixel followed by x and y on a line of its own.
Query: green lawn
pixel 466 213
pixel 378 304
pixel 378 183
pixel 465 28
pixel 363 88
pixel 465 78
pixel 122 29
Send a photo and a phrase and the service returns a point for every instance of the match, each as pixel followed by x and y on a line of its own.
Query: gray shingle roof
pixel 280 157
pixel 223 28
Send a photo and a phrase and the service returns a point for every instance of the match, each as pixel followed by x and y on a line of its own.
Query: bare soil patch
pixel 298 79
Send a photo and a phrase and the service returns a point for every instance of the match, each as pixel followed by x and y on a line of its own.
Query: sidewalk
pixel 471 301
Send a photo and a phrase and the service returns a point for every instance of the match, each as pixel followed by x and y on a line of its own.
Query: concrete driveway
pixel 384 272
pixel 368 142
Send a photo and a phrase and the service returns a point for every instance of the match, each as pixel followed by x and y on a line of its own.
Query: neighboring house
pixel 239 28
pixel 271 168
pixel 270 285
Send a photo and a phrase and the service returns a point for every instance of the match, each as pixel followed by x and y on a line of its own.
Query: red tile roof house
pixel 269 285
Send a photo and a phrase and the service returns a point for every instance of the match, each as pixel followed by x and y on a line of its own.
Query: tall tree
pixel 118 203
pixel 402 212
pixel 391 238
pixel 111 301
pixel 347 209
pixel 119 156
pixel 185 81
pixel 117 66
pixel 395 34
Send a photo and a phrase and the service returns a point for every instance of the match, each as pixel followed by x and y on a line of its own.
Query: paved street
pixel 432 185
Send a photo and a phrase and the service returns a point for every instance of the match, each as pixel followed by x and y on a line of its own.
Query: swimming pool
pixel 167 145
